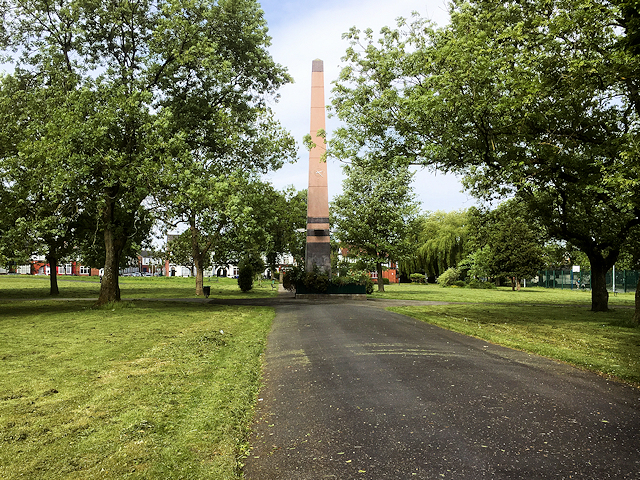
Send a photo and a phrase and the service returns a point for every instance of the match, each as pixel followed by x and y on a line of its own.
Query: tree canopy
pixel 374 215
pixel 505 242
pixel 118 91
pixel 535 98
pixel 440 243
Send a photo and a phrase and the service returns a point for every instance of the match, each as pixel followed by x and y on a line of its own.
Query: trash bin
pixel 206 290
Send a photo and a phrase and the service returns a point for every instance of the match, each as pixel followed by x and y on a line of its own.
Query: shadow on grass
pixel 39 308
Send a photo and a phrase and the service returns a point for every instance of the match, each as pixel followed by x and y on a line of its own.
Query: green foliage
pixel 117 101
pixel 441 242
pixel 449 277
pixel 418 278
pixel 282 214
pixel 314 280
pixel 566 144
pixel 308 142
pixel 475 283
pixel 375 215
pixel 318 281
pixel 291 276
pixel 180 251
pixel 506 242
pixel 245 274
pixel 369 285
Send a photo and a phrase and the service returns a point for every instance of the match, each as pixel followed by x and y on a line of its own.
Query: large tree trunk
pixel 636 316
pixel 599 293
pixel 380 279
pixel 52 259
pixel 199 275
pixel 109 287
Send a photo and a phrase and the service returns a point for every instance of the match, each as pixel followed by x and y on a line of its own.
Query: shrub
pixel 369 284
pixel 316 280
pixel 475 283
pixel 245 275
pixel 292 276
pixel 319 281
pixel 448 278
pixel 417 278
pixel 459 283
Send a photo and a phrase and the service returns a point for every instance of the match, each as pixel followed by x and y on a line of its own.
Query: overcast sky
pixel 302 31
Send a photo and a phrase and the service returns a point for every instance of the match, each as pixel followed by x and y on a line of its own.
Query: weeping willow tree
pixel 440 243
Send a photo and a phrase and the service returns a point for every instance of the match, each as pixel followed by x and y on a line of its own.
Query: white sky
pixel 302 31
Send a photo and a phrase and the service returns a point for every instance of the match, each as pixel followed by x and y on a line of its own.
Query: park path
pixel 355 392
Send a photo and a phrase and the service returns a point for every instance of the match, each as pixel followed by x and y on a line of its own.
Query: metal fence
pixel 623 281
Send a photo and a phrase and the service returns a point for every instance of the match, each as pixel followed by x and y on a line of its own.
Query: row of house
pixel 145 264
pixel 148 264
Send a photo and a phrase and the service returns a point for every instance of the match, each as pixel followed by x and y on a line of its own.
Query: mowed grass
pixel 137 390
pixel 529 295
pixel 37 287
pixel 553 323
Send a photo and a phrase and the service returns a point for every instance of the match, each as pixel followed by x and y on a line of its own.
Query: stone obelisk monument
pixel 318 246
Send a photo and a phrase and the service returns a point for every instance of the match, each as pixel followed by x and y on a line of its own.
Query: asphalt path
pixel 355 392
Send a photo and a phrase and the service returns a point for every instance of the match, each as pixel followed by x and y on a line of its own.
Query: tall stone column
pixel 318 247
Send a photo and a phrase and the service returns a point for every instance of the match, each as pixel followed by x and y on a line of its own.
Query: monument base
pixel 331 296
pixel 318 254
pixel 350 290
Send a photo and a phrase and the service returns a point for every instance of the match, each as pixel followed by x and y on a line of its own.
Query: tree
pixel 40 218
pixel 245 275
pixel 539 98
pixel 284 214
pixel 180 251
pixel 374 215
pixel 506 242
pixel 440 243
pixel 148 82
pixel 227 216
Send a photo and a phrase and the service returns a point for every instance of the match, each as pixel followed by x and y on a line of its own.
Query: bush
pixel 355 278
pixel 316 280
pixel 245 275
pixel 319 282
pixel 417 278
pixel 385 281
pixel 369 284
pixel 475 283
pixel 448 278
pixel 292 276
pixel 459 283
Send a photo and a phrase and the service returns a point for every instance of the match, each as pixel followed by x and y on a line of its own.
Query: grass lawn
pixel 530 296
pixel 153 390
pixel 163 390
pixel 554 323
pixel 37 287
